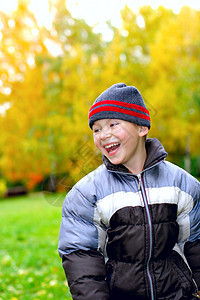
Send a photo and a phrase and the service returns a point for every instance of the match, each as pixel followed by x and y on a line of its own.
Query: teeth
pixel 109 146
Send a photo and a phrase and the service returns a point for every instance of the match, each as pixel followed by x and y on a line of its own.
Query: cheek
pixel 96 142
pixel 128 139
pixel 125 135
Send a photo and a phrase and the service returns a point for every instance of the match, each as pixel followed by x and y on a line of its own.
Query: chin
pixel 115 162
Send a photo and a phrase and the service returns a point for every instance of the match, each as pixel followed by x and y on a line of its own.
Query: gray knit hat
pixel 120 102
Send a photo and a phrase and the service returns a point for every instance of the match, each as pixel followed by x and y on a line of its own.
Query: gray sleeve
pixel 81 227
pixel 80 241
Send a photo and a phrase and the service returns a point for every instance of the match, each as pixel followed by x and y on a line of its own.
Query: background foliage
pixel 46 96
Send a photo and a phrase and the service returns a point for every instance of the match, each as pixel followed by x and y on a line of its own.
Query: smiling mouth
pixel 111 149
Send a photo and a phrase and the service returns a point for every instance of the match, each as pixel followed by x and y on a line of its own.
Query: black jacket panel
pixel 192 253
pixel 85 271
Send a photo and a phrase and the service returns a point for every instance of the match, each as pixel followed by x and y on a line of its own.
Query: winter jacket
pixel 126 236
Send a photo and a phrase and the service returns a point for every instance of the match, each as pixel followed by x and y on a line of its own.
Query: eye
pixel 95 130
pixel 114 124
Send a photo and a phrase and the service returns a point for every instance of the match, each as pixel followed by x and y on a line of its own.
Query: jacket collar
pixel 155 154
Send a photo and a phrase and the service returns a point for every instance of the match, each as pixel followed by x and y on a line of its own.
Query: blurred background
pixel 56 57
pixel 54 63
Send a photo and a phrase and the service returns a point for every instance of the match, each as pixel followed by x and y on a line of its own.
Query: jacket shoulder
pixel 178 177
pixel 89 187
pixel 93 180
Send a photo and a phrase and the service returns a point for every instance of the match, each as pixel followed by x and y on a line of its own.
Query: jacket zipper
pixel 142 189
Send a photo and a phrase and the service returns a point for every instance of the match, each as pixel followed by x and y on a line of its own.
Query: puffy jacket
pixel 129 237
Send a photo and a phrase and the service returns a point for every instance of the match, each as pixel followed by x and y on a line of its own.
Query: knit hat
pixel 120 102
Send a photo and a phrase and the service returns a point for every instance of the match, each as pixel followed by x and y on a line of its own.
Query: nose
pixel 106 133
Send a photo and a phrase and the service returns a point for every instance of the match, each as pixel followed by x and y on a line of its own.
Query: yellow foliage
pixel 46 131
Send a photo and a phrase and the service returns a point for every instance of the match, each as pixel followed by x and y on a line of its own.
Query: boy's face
pixel 120 141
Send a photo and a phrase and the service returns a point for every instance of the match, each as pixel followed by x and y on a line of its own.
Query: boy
pixel 131 229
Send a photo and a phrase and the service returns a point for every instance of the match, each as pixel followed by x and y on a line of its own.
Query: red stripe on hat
pixel 119 110
pixel 120 103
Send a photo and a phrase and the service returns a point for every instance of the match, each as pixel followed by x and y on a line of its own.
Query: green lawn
pixel 30 267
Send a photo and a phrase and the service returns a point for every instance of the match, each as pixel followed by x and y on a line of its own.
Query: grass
pixel 30 265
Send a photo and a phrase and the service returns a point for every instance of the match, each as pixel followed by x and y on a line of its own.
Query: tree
pixel 50 78
pixel 22 88
pixel 174 89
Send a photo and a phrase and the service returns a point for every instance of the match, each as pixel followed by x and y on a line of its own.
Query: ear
pixel 142 130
